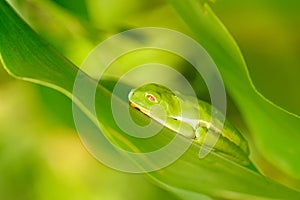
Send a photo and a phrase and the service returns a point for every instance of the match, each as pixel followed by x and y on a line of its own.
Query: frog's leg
pixel 180 127
pixel 221 145
pixel 200 134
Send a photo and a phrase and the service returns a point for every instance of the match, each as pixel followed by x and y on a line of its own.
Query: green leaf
pixel 27 57
pixel 275 130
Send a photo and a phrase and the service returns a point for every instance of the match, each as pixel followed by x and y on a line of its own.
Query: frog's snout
pixel 130 93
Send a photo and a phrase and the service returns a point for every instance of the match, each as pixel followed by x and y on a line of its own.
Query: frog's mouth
pixel 139 108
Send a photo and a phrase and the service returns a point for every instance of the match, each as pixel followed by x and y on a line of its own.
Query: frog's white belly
pixel 195 123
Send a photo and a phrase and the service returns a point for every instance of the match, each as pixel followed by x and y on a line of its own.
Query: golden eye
pixel 151 98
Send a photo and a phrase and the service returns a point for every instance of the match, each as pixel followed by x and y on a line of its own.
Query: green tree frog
pixel 190 119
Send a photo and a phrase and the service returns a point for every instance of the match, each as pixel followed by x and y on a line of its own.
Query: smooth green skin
pixel 191 119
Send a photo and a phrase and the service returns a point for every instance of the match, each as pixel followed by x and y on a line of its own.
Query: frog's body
pixel 192 119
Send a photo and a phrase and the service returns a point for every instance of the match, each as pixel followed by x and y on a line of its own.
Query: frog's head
pixel 145 97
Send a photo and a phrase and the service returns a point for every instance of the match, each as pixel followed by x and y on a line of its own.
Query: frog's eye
pixel 151 98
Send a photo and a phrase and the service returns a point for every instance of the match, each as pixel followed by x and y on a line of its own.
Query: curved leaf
pixel 275 130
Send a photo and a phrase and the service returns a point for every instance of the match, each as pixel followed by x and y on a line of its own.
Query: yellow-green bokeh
pixel 41 156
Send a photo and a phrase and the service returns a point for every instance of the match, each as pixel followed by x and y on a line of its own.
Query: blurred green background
pixel 41 156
